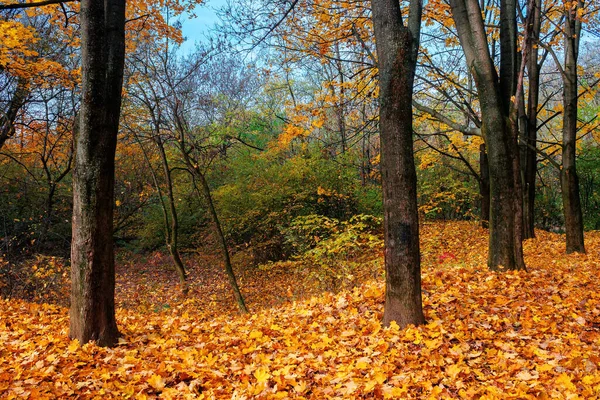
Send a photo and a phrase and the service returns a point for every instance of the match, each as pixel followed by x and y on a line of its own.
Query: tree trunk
pixel 8 119
pixel 92 314
pixel 495 130
pixel 397 47
pixel 569 181
pixel 222 241
pixel 484 187
pixel 172 233
pixel 341 104
pixel 533 69
pixel 177 262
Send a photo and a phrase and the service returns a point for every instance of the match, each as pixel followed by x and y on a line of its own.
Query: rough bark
pixel 484 187
pixel 496 133
pixel 397 47
pixel 568 175
pixel 533 69
pixel 92 314
pixel 508 52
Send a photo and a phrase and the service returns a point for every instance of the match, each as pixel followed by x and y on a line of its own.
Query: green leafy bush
pixel 258 197
pixel 334 249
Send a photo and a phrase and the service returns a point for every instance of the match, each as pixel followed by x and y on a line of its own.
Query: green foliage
pixel 330 251
pixel 305 232
pixel 261 194
pixel 588 165
pixel 149 230
pixel 447 195
pixel 41 278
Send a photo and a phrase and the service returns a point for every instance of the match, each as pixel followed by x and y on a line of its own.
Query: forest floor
pixel 533 334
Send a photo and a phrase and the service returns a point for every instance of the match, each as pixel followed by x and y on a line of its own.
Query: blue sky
pixel 196 29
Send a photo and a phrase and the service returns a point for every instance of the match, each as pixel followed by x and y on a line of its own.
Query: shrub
pixel 334 259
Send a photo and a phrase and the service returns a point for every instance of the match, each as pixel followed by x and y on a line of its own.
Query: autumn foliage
pixel 526 335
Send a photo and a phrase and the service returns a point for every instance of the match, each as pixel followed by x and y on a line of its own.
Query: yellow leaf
pixel 453 370
pixel 262 375
pixel 564 381
pixel 255 334
pixel 363 363
pixel 157 382
pixel 74 346
pixel 544 367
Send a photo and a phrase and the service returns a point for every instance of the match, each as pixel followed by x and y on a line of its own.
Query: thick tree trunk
pixel 569 181
pixel 397 48
pixel 484 187
pixel 533 69
pixel 502 192
pixel 92 314
pixel 518 189
pixel 503 249
pixel 508 52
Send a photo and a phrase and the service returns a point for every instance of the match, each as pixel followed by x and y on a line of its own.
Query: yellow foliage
pixel 491 336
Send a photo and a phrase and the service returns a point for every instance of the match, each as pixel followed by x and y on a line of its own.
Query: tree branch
pixel 34 4
pixel 447 121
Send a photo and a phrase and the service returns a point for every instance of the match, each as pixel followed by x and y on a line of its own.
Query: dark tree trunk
pixel 503 249
pixel 533 68
pixel 397 47
pixel 569 181
pixel 7 120
pixel 92 315
pixel 484 187
pixel 340 112
pixel 508 52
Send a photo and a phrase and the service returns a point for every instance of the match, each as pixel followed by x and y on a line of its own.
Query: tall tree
pixel 504 242
pixel 92 254
pixel 397 48
pixel 569 181
pixel 534 67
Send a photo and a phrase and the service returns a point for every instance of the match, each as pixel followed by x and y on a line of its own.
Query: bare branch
pixel 34 4
pixel 445 120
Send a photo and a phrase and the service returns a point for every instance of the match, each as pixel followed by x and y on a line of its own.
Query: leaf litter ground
pixel 518 335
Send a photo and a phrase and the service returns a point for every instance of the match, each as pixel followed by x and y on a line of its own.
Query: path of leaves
pixel 519 335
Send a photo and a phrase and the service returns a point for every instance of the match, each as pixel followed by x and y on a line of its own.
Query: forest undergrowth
pixel 533 334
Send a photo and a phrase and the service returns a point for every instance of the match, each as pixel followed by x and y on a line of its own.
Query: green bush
pixel 588 165
pixel 446 195
pixel 330 252
pixel 258 197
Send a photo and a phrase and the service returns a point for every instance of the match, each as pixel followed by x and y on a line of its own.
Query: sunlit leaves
pixel 529 334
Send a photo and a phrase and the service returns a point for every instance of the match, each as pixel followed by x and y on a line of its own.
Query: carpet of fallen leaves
pixel 522 335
